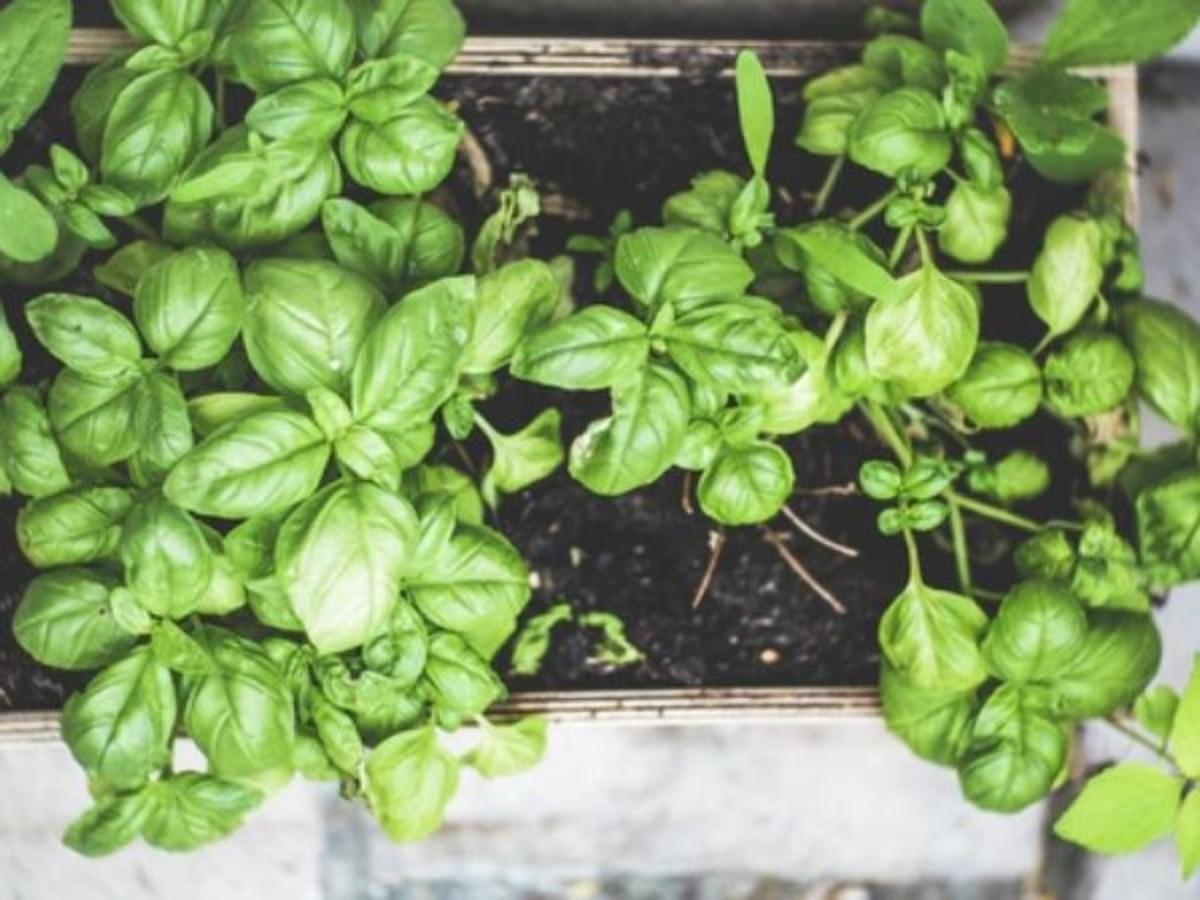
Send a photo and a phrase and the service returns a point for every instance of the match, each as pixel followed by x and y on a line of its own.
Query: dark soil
pixel 595 146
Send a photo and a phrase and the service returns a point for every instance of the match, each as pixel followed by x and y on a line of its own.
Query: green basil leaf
pixel 707 206
pixel 119 728
pixel 29 455
pixel 112 823
pixel 189 307
pixel 746 485
pixel 1123 809
pixel 1168 520
pixel 968 26
pixel 33 47
pixel 524 457
pixel 258 465
pixel 369 531
pixel 905 60
pixel 976 222
pixel 168 563
pixel 509 749
pixel 240 713
pixel 1001 387
pixel 164 429
pixel 460 682
pixel 86 335
pixel 933 722
pixel 1036 632
pixel 164 22
pixel 1016 476
pixel 828 117
pixel 78 526
pixel 931 638
pixel 756 110
pixel 305 322
pixel 731 345
pixel 93 417
pixel 410 779
pixel 830 251
pixel 338 734
pixel 92 102
pixel 1185 731
pixel 1165 343
pixel 1187 834
pixel 511 301
pixel 533 641
pixel 902 132
pixel 474 585
pixel 640 440
pixel 1015 752
pixel 1107 572
pixel 1155 710
pixel 1092 32
pixel 1067 273
pixel 408 365
pixel 11 357
pixel 379 89
pixel 592 349
pixel 189 810
pixel 814 398
pixel 683 267
pixel 157 125
pixel 28 232
pixel 410 153
pixel 1116 661
pixel 431 30
pixel 399 244
pixel 124 269
pixel 64 621
pixel 211 412
pixel 1092 372
pixel 312 110
pixel 922 336
pixel 279 42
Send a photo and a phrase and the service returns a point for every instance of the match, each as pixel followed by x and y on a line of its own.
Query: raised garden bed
pixel 604 125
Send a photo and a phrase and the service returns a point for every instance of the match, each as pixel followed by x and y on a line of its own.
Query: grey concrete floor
pixel 838 810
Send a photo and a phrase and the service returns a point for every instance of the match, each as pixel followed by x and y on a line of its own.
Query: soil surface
pixel 594 147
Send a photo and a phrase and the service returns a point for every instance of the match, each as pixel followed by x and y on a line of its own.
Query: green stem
pixel 923 244
pixel 1138 738
pixel 995 513
pixel 914 557
pixel 873 210
pixel 140 226
pixel 962 559
pixel 836 327
pixel 989 277
pixel 886 429
pixel 899 247
pixel 220 92
pixel 831 179
pixel 485 426
pixel 1044 343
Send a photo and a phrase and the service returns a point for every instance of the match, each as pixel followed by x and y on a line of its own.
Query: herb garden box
pixel 604 125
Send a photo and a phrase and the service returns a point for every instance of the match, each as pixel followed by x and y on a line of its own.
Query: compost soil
pixel 594 147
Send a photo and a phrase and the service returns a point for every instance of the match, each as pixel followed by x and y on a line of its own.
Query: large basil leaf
pixel 523 457
pixel 831 104
pixel 86 335
pixel 92 103
pixel 1066 275
pixel 254 466
pixel 642 437
pixel 189 307
pixel 28 231
pixel 684 267
pixel 968 26
pixel 592 349
pixel 189 810
pixel 509 749
pixel 1036 632
pixel 33 46
pixel 976 222
pixel 78 526
pixel 841 267
pixel 511 300
pixel 115 821
pixel 931 638
pixel 240 713
pixel 408 365
pixel 29 455
pixel 158 124
pixel 746 485
pixel 1092 372
pixel 93 417
pixel 902 131
pixel 460 682
pixel 64 621
pixel 340 556
pixel 278 42
pixel 922 336
pixel 933 722
pixel 305 321
pixel 312 110
pixel 168 564
pixel 431 30
pixel 732 346
pixel 410 779
pixel 1015 753
pixel 210 412
pixel 1106 32
pixel 1113 665
pixel 1168 517
pixel 398 243
pixel 120 726
pixel 905 60
pixel 475 585
pixel 1123 809
pixel 164 429
pixel 1001 387
pixel 1165 343
pixel 165 22
pixel 410 153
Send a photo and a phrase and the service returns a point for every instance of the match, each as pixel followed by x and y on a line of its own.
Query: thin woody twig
pixel 685 498
pixel 716 543
pixel 777 541
pixel 821 539
pixel 477 162
pixel 849 489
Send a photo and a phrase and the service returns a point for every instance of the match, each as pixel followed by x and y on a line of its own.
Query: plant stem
pixel 872 211
pixel 220 92
pixel 962 559
pixel 831 178
pixel 886 429
pixel 815 535
pixel 914 556
pixel 899 247
pixel 923 244
pixel 1044 343
pixel 776 541
pixel 716 543
pixel 990 277
pixel 996 513
pixel 836 327
pixel 1138 738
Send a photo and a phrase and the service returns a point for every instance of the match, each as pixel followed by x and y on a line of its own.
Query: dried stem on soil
pixel 685 498
pixel 815 535
pixel 779 542
pixel 477 162
pixel 849 489
pixel 716 543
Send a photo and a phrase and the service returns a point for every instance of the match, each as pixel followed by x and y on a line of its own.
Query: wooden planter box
pixel 616 58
